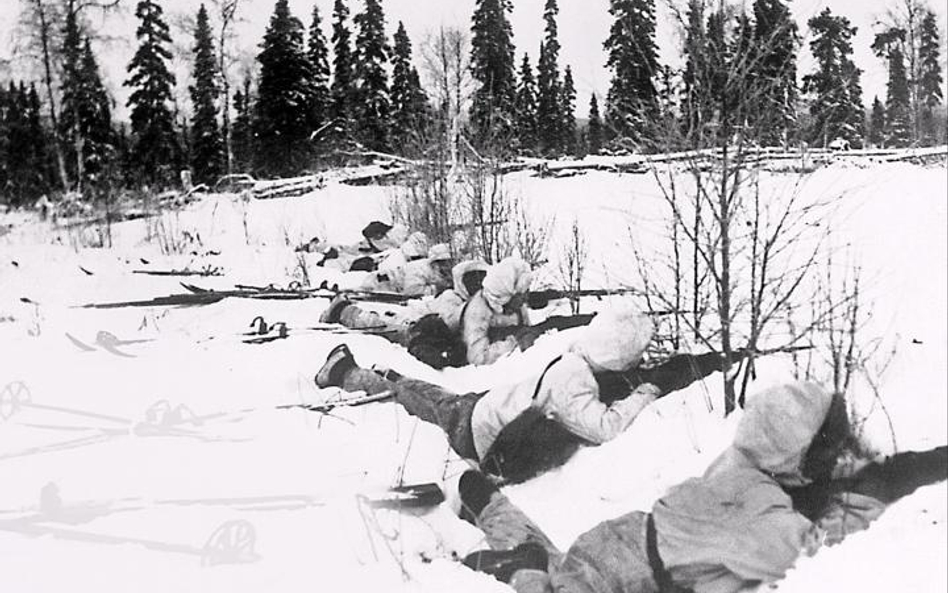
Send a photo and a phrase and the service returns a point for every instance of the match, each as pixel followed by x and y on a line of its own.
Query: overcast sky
pixel 583 25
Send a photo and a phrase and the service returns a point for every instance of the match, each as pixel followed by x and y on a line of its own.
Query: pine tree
pixel 633 59
pixel 155 152
pixel 594 133
pixel 549 91
pixel 342 90
pixel 207 149
pixel 283 110
pixel 409 103
pixel 318 54
pixel 773 71
pixel 930 77
pixel 567 114
pixel 492 66
pixel 525 108
pixel 243 128
pixel 837 105
pixel 373 104
pixel 877 123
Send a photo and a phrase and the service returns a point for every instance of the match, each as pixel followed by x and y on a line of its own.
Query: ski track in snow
pixel 125 460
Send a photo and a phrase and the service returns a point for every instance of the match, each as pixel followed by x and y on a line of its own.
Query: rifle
pixel 676 372
pixel 538 299
pixel 213 271
pixel 295 290
pixel 203 296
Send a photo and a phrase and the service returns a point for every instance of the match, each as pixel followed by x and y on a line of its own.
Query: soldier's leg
pixel 389 324
pixel 446 409
pixel 504 525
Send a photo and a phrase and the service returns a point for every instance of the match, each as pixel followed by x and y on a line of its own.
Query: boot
pixel 360 379
pixel 338 364
pixel 504 563
pixel 333 313
pixel 475 491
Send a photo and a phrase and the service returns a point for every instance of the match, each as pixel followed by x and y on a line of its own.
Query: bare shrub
pixel 572 263
pixel 172 237
pixel 530 234
pixel 428 203
pixel 746 249
pixel 488 208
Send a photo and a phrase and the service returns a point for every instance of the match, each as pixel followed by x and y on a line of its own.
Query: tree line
pixel 317 98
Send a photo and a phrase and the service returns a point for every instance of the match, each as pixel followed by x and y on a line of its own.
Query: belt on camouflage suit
pixel 659 573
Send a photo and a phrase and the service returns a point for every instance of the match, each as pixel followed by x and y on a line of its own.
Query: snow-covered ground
pixel 165 465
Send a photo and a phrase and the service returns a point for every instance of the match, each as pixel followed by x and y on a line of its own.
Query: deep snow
pixel 126 463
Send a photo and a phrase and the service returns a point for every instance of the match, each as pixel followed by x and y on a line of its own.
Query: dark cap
pixel 376 230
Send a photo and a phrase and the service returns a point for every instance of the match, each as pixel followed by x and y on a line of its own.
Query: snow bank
pixel 129 458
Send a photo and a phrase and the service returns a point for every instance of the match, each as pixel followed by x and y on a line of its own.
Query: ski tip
pixel 412 496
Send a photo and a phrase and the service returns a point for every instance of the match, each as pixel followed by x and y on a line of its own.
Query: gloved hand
pixel 527 336
pixel 682 370
pixel 538 300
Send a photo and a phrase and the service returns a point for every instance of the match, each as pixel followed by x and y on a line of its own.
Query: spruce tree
pixel 718 69
pixel 549 91
pixel 877 123
pixel 5 111
pixel 409 103
pixel 422 104
pixel 242 135
pixel 283 110
pixel 492 66
pixel 773 71
pixel 633 59
pixel 155 147
pixel 837 104
pixel 99 135
pixel 26 163
pixel 72 96
pixel 207 149
pixel 17 143
pixel 373 104
pixel 888 45
pixel 567 113
pixel 897 106
pixel 739 89
pixel 39 151
pixel 24 170
pixel 525 125
pixel 85 108
pixel 342 90
pixel 695 99
pixel 594 132
pixel 930 76
pixel 318 54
